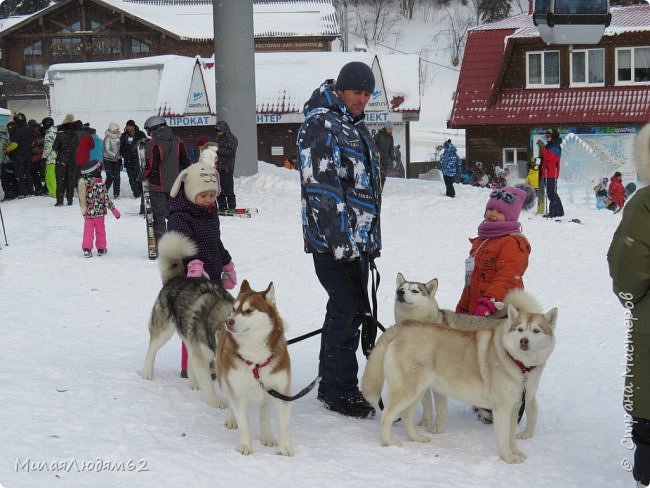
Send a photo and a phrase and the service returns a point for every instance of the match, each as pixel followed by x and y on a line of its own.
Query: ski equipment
pixel 152 245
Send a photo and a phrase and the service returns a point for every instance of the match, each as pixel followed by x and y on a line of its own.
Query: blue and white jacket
pixel 339 170
pixel 449 161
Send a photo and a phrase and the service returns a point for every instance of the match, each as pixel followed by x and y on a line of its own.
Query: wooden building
pixel 513 87
pixel 73 31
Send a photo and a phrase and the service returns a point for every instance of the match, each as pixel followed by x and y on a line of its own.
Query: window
pixel 74 27
pixel 66 46
pixel 34 49
pixel 106 45
pixel 139 46
pixel 543 69
pixel 588 67
pixel 515 160
pixel 35 70
pixel 632 65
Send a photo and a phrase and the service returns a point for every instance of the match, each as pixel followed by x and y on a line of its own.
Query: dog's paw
pixel 286 451
pixel 244 449
pixel 524 434
pixel 437 429
pixel 421 438
pixel 268 441
pixel 147 373
pixel 217 402
pixel 514 457
pixel 427 423
pixel 391 442
pixel 230 424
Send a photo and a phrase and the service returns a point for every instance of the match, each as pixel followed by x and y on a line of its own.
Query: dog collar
pixel 256 367
pixel 522 367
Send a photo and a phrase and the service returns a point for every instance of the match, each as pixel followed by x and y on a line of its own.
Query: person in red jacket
pixel 551 154
pixel 498 258
pixel 616 191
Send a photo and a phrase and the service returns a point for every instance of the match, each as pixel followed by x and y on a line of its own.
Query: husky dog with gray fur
pixel 193 307
pixel 487 367
pixel 417 301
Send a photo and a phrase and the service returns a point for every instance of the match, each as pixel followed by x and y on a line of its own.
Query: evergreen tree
pixel 21 7
pixel 492 10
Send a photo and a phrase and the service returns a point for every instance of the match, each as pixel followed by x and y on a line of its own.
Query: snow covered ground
pixel 75 335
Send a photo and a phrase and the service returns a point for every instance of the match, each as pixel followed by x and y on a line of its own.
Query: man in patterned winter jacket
pixel 341 201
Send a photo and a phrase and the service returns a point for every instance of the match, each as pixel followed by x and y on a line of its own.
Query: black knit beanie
pixel 356 76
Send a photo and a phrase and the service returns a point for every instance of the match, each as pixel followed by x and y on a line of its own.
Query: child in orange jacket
pixel 499 255
pixel 498 258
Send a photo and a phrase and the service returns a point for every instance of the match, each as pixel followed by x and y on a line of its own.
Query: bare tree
pixel 407 7
pixel 458 20
pixel 376 20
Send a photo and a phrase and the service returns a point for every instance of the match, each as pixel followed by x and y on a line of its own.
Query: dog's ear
pixel 551 317
pixel 269 293
pixel 245 286
pixel 432 286
pixel 400 279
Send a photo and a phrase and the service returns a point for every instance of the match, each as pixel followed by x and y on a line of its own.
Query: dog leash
pixel 369 329
pixel 287 398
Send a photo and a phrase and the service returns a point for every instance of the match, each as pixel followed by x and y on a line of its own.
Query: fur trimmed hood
pixel 642 153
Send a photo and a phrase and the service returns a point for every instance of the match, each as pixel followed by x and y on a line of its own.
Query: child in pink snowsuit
pixel 94 203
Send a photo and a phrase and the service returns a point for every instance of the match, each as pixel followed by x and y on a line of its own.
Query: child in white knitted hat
pixel 192 211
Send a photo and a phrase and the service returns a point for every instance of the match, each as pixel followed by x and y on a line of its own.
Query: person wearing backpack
pixel 450 166
pixel 166 158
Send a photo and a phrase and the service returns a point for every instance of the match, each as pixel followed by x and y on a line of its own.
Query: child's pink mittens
pixel 485 307
pixel 229 276
pixel 195 269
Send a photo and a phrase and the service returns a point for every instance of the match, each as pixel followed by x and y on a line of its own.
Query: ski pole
pixel 4 231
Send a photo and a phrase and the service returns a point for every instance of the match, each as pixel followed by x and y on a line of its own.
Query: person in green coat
pixel 629 266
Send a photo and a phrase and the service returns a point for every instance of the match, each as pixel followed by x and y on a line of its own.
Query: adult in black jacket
pixel 386 146
pixel 226 165
pixel 166 158
pixel 128 149
pixel 23 135
pixel 65 145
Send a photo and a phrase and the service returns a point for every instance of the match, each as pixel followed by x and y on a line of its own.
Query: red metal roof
pixel 480 101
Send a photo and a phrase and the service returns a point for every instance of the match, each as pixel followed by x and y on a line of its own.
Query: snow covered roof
pixel 480 99
pixel 193 20
pixel 634 18
pixel 284 81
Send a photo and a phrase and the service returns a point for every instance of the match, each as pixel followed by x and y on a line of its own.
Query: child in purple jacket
pixel 192 211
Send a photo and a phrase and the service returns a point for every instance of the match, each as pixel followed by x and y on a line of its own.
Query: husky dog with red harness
pixel 252 358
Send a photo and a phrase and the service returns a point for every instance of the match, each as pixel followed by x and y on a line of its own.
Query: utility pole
pixel 234 76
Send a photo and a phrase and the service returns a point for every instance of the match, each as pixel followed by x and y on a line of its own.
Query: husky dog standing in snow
pixel 194 307
pixel 490 368
pixel 416 301
pixel 252 358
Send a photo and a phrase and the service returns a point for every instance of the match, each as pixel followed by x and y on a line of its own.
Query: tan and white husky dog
pixel 252 358
pixel 490 368
pixel 415 300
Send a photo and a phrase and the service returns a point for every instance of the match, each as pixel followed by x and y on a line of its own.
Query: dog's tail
pixel 523 301
pixel 373 376
pixel 172 249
